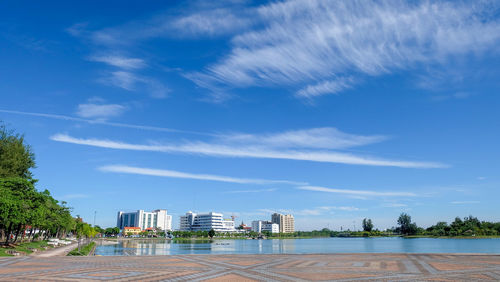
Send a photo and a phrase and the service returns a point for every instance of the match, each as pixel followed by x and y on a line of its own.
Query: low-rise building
pixel 158 219
pixel 131 230
pixel 260 226
pixel 205 222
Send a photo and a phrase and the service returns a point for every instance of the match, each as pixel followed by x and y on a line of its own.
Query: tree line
pixel 26 212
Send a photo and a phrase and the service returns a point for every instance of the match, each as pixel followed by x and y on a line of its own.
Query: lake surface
pixel 301 246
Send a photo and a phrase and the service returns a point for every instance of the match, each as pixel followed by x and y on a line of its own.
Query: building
pixel 157 219
pixel 285 221
pixel 260 226
pixel 205 222
pixel 131 230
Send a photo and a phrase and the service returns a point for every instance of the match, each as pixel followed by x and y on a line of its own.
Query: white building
pixel 144 220
pixel 260 226
pixel 205 222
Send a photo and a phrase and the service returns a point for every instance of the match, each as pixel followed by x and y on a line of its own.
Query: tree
pixel 367 225
pixel 16 157
pixel 405 225
pixel 211 233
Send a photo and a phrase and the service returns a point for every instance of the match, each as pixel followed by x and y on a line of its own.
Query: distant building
pixel 131 230
pixel 285 221
pixel 205 222
pixel 155 219
pixel 260 226
pixel 244 227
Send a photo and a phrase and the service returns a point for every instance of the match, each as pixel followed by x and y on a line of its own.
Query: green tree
pixel 16 157
pixel 367 225
pixel 405 225
pixel 211 233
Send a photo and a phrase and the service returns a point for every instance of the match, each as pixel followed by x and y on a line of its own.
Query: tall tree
pixel 16 157
pixel 367 225
pixel 405 224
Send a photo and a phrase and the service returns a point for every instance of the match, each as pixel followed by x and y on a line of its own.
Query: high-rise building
pixel 144 220
pixel 205 222
pixel 260 226
pixel 285 221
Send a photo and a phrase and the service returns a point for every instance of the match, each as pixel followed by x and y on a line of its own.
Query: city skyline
pixel 339 112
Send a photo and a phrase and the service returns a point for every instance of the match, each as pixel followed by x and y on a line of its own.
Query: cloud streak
pixel 311 44
pixel 185 175
pixel 107 123
pixel 358 192
pixel 91 110
pixel 216 150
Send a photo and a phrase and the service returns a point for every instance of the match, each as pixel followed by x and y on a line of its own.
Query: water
pixel 301 246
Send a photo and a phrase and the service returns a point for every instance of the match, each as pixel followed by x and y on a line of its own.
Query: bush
pixel 84 251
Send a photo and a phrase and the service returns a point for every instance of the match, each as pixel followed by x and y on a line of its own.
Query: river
pixel 301 246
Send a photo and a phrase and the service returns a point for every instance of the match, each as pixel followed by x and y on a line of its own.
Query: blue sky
pixel 332 111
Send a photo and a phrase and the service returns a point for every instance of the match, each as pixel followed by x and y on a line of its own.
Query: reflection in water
pixel 298 246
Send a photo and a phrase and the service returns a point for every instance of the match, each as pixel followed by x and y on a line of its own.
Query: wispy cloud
pixel 464 202
pixel 133 82
pixel 92 110
pixel 107 123
pixel 309 44
pixel 120 61
pixel 358 192
pixel 325 138
pixel 217 150
pixel 251 191
pixel 310 211
pixel 394 205
pixel 185 175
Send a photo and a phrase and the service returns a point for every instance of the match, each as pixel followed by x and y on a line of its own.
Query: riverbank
pixel 306 267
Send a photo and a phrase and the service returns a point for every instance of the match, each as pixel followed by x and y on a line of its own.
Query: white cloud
pixel 209 22
pixel 358 192
pixel 91 110
pixel 251 191
pixel 306 43
pixel 326 87
pixel 394 205
pixel 217 150
pixel 107 123
pixel 132 82
pixel 185 175
pixel 325 138
pixel 120 61
pixel 464 202
pixel 309 211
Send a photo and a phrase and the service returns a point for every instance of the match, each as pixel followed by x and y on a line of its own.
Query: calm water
pixel 300 246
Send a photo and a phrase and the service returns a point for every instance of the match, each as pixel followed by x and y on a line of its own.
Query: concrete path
pixel 59 251
pixel 312 267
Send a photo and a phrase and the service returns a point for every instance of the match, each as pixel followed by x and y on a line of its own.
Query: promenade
pixel 344 267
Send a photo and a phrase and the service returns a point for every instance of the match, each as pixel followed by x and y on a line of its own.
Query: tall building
pixel 143 220
pixel 260 226
pixel 285 221
pixel 205 222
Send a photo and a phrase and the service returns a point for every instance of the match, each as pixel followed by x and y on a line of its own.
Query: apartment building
pixel 260 226
pixel 205 222
pixel 155 219
pixel 286 222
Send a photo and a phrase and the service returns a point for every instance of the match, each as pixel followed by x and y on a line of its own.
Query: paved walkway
pixel 344 267
pixel 59 251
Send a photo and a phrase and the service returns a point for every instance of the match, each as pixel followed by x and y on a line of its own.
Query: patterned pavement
pixel 317 267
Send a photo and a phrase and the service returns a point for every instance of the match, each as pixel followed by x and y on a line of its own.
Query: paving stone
pixel 327 267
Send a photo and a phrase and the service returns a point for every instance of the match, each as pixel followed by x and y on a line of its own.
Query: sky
pixel 333 111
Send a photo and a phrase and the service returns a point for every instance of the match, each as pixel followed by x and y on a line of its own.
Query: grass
pixel 24 247
pixel 84 251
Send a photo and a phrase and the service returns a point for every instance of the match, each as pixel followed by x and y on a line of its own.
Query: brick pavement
pixel 314 267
